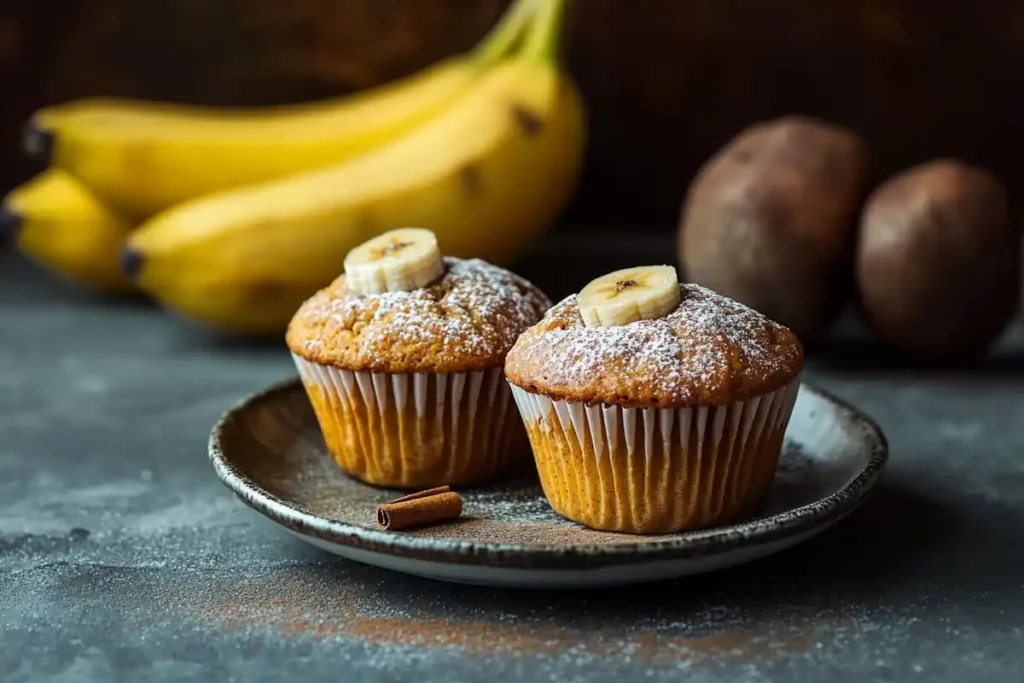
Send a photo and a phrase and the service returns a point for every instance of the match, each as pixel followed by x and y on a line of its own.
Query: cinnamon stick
pixel 419 509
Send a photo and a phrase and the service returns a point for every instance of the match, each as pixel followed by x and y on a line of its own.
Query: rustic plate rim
pixel 814 515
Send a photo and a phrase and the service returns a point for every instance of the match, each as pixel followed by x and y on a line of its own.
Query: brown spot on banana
pixel 530 121
pixel 623 285
pixel 391 249
pixel 472 180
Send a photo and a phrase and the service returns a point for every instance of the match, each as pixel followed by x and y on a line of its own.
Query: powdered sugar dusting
pixel 709 346
pixel 471 317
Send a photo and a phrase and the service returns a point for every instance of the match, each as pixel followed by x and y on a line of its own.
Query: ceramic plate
pixel 269 451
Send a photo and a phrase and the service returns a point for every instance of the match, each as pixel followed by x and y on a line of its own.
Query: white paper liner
pixel 416 429
pixel 656 469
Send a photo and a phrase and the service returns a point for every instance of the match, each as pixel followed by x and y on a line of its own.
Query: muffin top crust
pixel 710 350
pixel 466 320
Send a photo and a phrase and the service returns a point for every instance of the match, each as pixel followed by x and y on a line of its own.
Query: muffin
pixel 654 406
pixel 402 358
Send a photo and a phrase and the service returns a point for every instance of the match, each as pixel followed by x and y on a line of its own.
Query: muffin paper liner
pixel 412 430
pixel 656 470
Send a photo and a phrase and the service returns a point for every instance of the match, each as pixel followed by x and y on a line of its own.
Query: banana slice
pixel 625 296
pixel 397 261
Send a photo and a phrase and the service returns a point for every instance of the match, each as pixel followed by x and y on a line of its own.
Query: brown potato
pixel 938 260
pixel 770 221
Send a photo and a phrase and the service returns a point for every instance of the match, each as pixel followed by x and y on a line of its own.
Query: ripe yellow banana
pixel 63 227
pixel 486 176
pixel 143 157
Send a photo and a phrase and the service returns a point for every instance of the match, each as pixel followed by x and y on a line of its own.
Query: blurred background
pixel 666 85
pixel 667 82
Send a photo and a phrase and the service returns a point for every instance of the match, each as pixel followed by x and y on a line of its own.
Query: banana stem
pixel 505 33
pixel 544 40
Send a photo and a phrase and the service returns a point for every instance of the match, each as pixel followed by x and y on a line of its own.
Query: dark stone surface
pixel 122 557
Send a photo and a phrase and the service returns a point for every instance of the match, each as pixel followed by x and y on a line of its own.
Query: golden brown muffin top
pixel 711 350
pixel 466 320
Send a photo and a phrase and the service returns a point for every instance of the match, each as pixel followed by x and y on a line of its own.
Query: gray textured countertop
pixel 122 557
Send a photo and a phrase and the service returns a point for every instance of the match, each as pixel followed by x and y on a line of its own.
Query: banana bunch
pixel 242 214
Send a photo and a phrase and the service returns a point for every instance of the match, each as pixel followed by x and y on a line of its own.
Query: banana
pixel 397 261
pixel 486 176
pixel 144 157
pixel 63 227
pixel 629 295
